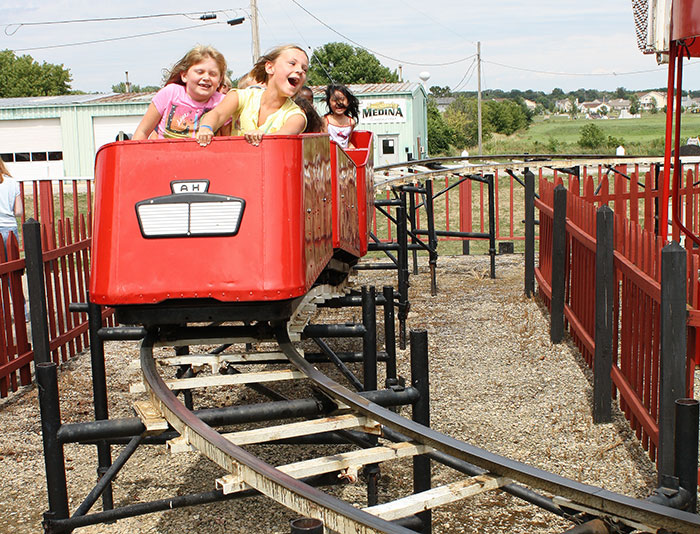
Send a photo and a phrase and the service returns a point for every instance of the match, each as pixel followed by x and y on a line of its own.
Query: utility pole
pixel 128 84
pixel 254 29
pixel 478 94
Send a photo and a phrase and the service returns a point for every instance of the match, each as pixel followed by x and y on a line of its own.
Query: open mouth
pixel 293 81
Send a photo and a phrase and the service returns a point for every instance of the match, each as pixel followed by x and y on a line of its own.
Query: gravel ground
pixel 496 382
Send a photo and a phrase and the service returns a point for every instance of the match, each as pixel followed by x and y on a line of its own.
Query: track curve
pixel 247 471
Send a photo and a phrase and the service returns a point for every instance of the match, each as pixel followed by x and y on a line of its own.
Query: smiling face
pixel 288 72
pixel 202 79
pixel 339 103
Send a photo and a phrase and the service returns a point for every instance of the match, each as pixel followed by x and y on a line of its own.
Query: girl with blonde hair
pixel 190 91
pixel 272 110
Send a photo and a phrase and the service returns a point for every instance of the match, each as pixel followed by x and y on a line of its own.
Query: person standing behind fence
pixel 10 205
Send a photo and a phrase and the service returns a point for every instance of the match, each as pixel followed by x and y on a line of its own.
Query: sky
pixel 539 45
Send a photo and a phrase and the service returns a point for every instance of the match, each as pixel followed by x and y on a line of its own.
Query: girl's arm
pixel 293 126
pixel 148 123
pixel 224 130
pixel 18 206
pixel 214 119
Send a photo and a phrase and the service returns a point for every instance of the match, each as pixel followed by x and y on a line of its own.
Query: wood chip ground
pixel 496 382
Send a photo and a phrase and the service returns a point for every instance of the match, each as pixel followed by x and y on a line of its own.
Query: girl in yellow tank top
pixel 259 111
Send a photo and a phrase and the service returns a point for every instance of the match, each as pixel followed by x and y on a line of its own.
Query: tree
pixel 121 88
pixel 342 63
pixel 22 76
pixel 436 90
pixel 440 135
pixel 591 136
pixel 634 105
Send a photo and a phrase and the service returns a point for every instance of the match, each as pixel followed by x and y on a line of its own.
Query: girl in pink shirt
pixel 190 91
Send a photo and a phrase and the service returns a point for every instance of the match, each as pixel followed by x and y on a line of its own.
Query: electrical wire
pixel 110 39
pixel 575 73
pixel 18 25
pixel 374 51
pixel 470 72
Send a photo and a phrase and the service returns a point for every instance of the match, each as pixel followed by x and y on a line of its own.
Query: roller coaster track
pixel 406 438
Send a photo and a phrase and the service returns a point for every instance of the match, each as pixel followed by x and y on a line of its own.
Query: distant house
pixel 595 109
pixel 619 104
pixel 652 99
pixel 443 102
pixel 530 104
pixel 563 105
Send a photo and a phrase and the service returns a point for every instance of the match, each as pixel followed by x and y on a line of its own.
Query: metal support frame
pixel 369 375
pixel 99 393
pixel 421 414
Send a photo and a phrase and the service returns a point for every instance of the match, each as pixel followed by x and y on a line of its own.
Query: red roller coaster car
pixel 231 231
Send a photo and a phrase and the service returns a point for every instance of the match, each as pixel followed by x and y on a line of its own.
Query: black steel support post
pixel 604 295
pixel 673 350
pixel 185 371
pixel 389 335
pixel 105 483
pixel 687 417
pixel 529 233
pixel 556 328
pixel 492 222
pixel 369 368
pixel 412 220
pixel 333 357
pixel 306 525
pixel 432 237
pixel 31 230
pixel 402 239
pixel 421 414
pixel 50 410
pixel 99 394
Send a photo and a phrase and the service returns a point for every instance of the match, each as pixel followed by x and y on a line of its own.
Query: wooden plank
pixel 348 463
pixel 432 498
pixel 225 380
pixel 216 360
pixel 303 428
pixel 151 418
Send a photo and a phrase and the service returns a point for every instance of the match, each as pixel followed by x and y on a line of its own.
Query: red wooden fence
pixel 66 259
pixel 637 260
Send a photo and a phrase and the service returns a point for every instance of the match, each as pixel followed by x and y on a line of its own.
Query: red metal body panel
pixel 345 231
pixel 363 156
pixel 282 244
pixel 686 24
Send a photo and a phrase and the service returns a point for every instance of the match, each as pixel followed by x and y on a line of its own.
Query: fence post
pixel 604 292
pixel 556 328
pixel 34 260
pixel 673 351
pixel 529 233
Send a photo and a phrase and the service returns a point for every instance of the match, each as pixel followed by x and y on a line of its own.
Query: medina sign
pixel 384 110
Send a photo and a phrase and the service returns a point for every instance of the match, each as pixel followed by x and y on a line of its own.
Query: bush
pixel 591 136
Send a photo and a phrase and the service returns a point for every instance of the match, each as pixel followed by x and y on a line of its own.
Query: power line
pixel 115 38
pixel 378 53
pixel 18 25
pixel 575 73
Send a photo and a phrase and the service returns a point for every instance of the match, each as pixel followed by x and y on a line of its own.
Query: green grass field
pixel 560 134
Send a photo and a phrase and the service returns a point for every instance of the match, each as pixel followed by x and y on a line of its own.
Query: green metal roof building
pixel 58 136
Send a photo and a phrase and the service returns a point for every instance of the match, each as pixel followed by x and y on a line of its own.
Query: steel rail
pixel 632 512
pixel 337 515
